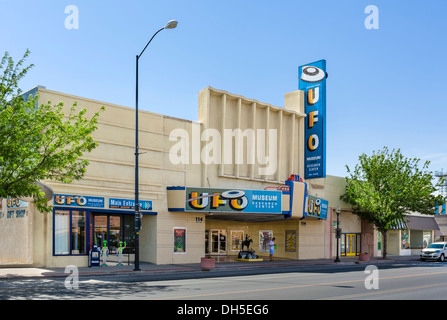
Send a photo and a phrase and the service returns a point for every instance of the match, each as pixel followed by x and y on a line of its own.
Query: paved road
pixel 355 284
pixel 395 282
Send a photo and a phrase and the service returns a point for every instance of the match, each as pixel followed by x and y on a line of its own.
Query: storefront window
pixel 129 233
pixel 78 232
pixel 62 232
pixel 74 236
pixel 236 240
pixel 115 235
pixel 207 241
pixel 100 230
pixel 68 241
pixel 405 239
pixel 114 229
pixel 427 236
pixel 379 241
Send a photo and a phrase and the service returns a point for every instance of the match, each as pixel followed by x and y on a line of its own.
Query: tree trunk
pixel 385 244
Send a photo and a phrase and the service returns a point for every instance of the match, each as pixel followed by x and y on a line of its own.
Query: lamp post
pixel 170 25
pixel 338 233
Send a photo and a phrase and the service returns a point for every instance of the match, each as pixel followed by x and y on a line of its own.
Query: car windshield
pixel 436 246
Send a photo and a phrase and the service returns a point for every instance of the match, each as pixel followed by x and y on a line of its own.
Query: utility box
pixel 338 233
pixel 94 257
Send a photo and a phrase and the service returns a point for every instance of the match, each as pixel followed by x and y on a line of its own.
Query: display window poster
pixel 405 239
pixel 264 240
pixel 290 241
pixel 179 240
pixel 236 240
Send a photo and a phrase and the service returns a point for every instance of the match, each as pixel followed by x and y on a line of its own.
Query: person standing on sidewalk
pixel 272 248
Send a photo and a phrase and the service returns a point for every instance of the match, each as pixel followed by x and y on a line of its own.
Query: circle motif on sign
pixel 312 74
pixel 233 194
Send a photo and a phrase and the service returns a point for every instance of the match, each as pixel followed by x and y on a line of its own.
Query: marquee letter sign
pixel 312 80
pixel 223 200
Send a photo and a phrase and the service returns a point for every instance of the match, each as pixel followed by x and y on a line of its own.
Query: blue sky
pixel 385 86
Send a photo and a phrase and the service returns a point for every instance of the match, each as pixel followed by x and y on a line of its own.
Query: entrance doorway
pixel 113 228
pixel 350 244
pixel 217 242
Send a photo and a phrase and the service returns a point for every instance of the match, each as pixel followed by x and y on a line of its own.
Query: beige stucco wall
pixel 221 110
pixel 111 174
pixel 16 234
pixel 225 112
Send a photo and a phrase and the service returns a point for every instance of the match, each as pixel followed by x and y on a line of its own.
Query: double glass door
pixel 113 229
pixel 350 244
pixel 218 242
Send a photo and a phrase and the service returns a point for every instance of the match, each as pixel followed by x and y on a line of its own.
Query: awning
pixel 442 225
pixel 421 223
pixel 413 222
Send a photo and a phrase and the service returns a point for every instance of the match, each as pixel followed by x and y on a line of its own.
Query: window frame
pixel 70 244
pixel 89 225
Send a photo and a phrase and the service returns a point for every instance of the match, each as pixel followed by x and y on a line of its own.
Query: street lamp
pixel 170 25
pixel 338 233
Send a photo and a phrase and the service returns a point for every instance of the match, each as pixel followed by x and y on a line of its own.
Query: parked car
pixel 435 251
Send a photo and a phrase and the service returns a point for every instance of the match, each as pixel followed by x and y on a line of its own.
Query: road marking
pixel 381 292
pixel 296 286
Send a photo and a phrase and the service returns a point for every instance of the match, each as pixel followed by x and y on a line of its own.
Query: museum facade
pixel 238 173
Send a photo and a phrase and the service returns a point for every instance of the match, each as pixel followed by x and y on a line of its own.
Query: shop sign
pixel 15 203
pixel 129 204
pixel 312 80
pixel 78 201
pixel 16 208
pixel 316 207
pixel 235 200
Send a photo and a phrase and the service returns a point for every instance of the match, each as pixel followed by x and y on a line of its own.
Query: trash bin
pixel 94 257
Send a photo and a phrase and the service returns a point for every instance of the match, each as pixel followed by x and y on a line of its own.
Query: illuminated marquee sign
pixel 225 200
pixel 312 80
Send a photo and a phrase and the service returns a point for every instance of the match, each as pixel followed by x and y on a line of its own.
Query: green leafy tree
pixel 386 186
pixel 38 142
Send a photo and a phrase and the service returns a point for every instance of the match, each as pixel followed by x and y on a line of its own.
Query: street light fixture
pixel 170 25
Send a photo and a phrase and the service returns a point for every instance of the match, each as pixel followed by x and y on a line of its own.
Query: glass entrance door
pixel 218 243
pixel 100 232
pixel 351 244
pixel 115 233
pixel 114 228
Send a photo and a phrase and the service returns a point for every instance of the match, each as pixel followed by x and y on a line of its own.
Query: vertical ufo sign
pixel 312 80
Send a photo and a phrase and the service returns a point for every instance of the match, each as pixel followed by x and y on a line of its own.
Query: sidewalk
pixel 15 272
